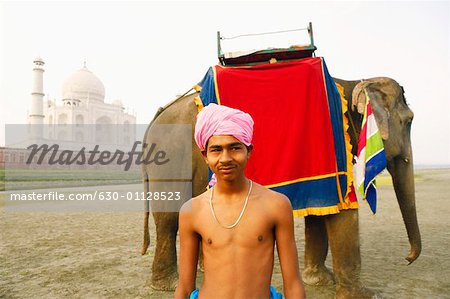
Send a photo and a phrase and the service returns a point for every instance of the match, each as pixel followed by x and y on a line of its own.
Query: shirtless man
pixel 236 222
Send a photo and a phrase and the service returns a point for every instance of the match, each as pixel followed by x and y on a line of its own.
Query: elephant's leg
pixel 343 237
pixel 316 248
pixel 164 268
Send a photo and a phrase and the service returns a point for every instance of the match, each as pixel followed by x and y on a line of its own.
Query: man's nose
pixel 225 157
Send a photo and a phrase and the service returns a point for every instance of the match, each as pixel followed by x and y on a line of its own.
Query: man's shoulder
pixel 273 195
pixel 277 203
pixel 195 203
pixel 273 200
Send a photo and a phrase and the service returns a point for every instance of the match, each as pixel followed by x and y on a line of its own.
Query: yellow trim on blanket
pixel 348 205
pixel 322 211
pixel 317 177
pixel 198 102
pixel 339 190
pixel 348 148
pixel 338 183
pixel 197 88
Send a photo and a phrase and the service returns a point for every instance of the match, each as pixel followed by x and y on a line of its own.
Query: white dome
pixel 83 85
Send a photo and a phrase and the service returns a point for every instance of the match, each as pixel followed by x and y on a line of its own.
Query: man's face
pixel 226 156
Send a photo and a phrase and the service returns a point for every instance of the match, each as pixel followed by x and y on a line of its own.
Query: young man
pixel 236 222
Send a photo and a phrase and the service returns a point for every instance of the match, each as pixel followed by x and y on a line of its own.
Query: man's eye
pixel 235 148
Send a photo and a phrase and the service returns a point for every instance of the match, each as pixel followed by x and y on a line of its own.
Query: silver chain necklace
pixel 242 212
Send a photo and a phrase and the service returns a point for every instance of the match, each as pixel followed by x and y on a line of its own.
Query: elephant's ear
pixel 358 97
pixel 380 112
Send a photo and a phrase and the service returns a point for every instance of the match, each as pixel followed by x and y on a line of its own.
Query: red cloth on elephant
pixel 299 144
pixel 274 99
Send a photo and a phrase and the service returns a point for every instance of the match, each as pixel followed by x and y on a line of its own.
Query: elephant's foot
pixel 167 284
pixel 358 292
pixel 318 276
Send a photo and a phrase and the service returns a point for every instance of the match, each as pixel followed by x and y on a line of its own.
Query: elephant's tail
pixel 145 179
pixel 146 241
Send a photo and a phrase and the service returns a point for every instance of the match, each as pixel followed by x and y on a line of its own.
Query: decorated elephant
pixel 339 231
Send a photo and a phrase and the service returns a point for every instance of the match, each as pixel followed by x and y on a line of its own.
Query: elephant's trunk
pixel 401 169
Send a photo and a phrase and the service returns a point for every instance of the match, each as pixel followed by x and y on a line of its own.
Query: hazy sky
pixel 146 53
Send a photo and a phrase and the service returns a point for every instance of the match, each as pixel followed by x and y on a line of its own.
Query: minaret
pixel 36 117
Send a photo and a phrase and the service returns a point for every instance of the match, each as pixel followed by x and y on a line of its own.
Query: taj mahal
pixel 82 103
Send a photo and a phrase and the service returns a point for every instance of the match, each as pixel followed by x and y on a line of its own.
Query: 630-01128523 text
pixel 96 195
pixel 162 195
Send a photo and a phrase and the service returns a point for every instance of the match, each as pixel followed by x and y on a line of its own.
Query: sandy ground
pixel 96 255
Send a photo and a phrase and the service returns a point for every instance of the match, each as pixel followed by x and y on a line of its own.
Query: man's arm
pixel 189 246
pixel 287 249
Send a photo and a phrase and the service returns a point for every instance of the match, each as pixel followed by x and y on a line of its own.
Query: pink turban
pixel 222 120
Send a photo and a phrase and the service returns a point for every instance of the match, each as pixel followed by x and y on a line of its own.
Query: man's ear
pixel 205 156
pixel 249 149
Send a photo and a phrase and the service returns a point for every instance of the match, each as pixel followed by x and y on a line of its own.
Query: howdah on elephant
pixel 339 232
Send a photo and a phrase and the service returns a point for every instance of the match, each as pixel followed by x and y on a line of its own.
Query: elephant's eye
pixel 409 122
pixel 410 118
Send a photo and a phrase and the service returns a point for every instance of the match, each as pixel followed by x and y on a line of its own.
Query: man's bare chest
pixel 255 229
